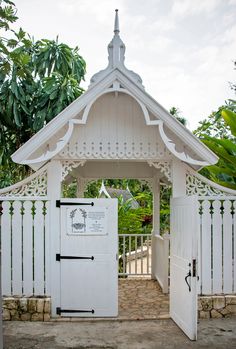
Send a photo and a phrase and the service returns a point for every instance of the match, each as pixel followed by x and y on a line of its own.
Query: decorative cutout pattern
pixel 171 145
pixel 196 185
pixel 148 182
pixel 68 165
pixel 114 150
pixel 32 186
pixel 163 166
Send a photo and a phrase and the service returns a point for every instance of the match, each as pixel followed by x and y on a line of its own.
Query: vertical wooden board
pixel 217 247
pixel 227 248
pixel 206 248
pixel 47 250
pixel 38 249
pixel 199 241
pixel 234 247
pixel 17 248
pixel 6 248
pixel 28 249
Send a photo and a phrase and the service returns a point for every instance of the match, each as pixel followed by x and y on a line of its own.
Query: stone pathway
pixel 141 299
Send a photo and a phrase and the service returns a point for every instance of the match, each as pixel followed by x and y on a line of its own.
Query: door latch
pixel 188 276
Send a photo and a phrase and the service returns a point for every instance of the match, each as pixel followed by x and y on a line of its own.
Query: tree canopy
pixel 38 79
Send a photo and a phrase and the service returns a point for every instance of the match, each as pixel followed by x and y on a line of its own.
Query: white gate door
pixel 88 258
pixel 183 264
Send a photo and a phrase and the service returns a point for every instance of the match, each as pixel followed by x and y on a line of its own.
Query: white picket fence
pixel 25 247
pixel 217 245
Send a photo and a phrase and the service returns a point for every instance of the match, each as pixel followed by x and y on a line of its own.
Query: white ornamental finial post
pixel 116 26
pixel 116 56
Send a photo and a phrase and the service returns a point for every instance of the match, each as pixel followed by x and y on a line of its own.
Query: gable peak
pixel 116 56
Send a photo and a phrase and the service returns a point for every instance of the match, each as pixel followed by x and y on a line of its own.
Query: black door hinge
pixel 79 311
pixel 59 257
pixel 59 203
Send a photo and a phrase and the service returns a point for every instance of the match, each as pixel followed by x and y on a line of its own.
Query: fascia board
pixel 61 119
pixel 174 125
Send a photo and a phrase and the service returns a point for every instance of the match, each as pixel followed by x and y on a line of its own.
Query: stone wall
pixel 216 306
pixel 39 309
pixel 26 309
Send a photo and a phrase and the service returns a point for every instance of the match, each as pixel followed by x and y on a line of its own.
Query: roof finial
pixel 116 27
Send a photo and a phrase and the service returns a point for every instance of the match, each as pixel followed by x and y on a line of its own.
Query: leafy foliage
pixel 37 81
pixel 177 114
pixel 214 125
pixel 224 172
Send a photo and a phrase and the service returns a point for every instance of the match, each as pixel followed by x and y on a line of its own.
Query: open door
pixel 183 264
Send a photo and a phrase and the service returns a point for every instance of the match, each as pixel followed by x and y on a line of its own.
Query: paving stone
pixel 141 299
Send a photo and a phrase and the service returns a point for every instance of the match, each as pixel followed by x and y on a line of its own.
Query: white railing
pixel 217 245
pixel 160 260
pixel 135 254
pixel 25 246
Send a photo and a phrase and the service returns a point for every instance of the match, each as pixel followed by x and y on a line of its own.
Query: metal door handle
pixel 186 280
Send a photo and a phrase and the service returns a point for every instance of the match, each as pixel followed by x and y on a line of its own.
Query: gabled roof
pixel 123 80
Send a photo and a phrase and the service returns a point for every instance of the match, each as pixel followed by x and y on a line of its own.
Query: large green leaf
pixel 230 119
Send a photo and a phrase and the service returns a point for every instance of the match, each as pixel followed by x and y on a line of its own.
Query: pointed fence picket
pixel 25 246
pixel 26 249
pixel 217 245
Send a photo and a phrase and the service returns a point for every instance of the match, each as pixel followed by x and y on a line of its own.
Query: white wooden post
pixel 54 193
pixel 155 222
pixel 1 337
pixel 178 179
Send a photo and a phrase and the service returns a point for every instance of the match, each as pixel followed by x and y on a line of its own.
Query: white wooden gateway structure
pixel 67 248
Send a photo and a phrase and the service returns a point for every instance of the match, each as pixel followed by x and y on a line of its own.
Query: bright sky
pixel 183 49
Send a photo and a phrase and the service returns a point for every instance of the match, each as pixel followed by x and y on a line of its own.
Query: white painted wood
pixel 227 248
pixel 38 249
pixel 54 193
pixel 28 249
pixel 155 223
pixel 6 248
pixel 117 169
pixel 47 250
pixel 234 235
pixel 184 235
pixel 78 105
pixel 206 247
pixel 17 248
pixel 90 284
pixel 217 247
pixel 116 129
pixel 178 179
pixel 1 336
pixel 160 246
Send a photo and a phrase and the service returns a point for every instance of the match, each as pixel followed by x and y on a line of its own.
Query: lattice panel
pixel 68 165
pixel 37 186
pixel 114 150
pixel 197 186
pixel 164 167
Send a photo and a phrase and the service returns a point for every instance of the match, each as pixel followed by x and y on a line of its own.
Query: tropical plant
pixel 224 172
pixel 37 81
pixel 177 114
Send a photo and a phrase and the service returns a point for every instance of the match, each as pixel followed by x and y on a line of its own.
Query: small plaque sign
pixel 86 221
